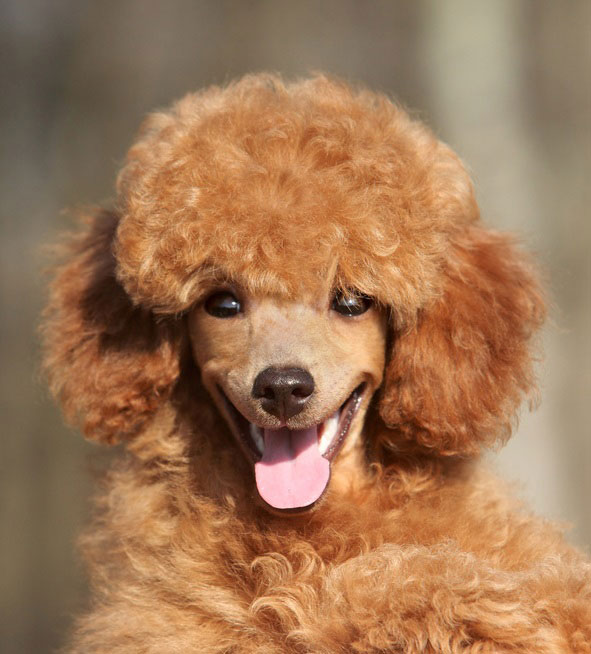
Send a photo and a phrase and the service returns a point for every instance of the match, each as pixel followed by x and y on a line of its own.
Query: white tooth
pixel 257 437
pixel 330 429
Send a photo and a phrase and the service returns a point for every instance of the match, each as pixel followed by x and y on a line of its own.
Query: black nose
pixel 283 391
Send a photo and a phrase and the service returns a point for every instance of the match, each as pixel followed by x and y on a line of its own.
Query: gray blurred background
pixel 505 82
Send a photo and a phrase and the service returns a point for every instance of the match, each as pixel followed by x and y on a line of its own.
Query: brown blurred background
pixel 506 82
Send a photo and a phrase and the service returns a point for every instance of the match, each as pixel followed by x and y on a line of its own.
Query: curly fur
pixel 275 185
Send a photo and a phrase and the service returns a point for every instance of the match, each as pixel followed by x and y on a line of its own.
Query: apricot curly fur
pixel 477 334
pixel 276 185
pixel 108 362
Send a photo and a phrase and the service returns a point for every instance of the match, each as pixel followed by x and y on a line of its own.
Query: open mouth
pixel 292 466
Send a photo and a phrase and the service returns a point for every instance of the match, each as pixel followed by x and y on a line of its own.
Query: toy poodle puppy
pixel 296 322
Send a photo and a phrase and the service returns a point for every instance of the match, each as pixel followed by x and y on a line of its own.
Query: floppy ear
pixel 456 379
pixel 110 364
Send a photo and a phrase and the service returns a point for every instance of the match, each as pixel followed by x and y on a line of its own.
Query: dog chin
pixel 292 466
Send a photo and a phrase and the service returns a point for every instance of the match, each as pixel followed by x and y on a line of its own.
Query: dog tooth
pixel 330 429
pixel 257 438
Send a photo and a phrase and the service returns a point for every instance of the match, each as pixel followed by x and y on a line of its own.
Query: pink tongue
pixel 292 473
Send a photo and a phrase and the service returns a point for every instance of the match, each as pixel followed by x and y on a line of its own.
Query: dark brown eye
pixel 350 304
pixel 222 304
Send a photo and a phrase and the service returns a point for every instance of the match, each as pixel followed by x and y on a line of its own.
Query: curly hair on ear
pixel 455 380
pixel 109 363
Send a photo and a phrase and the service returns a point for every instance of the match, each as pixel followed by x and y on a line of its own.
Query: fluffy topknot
pixel 279 185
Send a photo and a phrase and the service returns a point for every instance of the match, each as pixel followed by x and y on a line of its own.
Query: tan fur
pixel 339 352
pixel 273 187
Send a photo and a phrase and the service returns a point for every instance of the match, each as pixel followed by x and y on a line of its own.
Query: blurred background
pixel 506 83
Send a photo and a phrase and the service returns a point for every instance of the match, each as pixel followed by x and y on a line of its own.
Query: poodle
pixel 296 323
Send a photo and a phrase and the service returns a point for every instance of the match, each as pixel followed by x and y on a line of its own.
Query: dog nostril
pixel 303 391
pixel 283 391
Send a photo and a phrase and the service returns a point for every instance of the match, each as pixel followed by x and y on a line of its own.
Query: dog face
pixel 292 378
pixel 274 195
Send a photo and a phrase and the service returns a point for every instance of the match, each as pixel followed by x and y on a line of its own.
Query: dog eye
pixel 351 304
pixel 222 305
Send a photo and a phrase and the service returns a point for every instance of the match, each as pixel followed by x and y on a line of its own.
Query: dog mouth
pixel 292 466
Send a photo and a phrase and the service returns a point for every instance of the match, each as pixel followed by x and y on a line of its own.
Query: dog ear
pixel 109 363
pixel 455 380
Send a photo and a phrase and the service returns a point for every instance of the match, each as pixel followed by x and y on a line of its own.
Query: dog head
pixel 315 246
